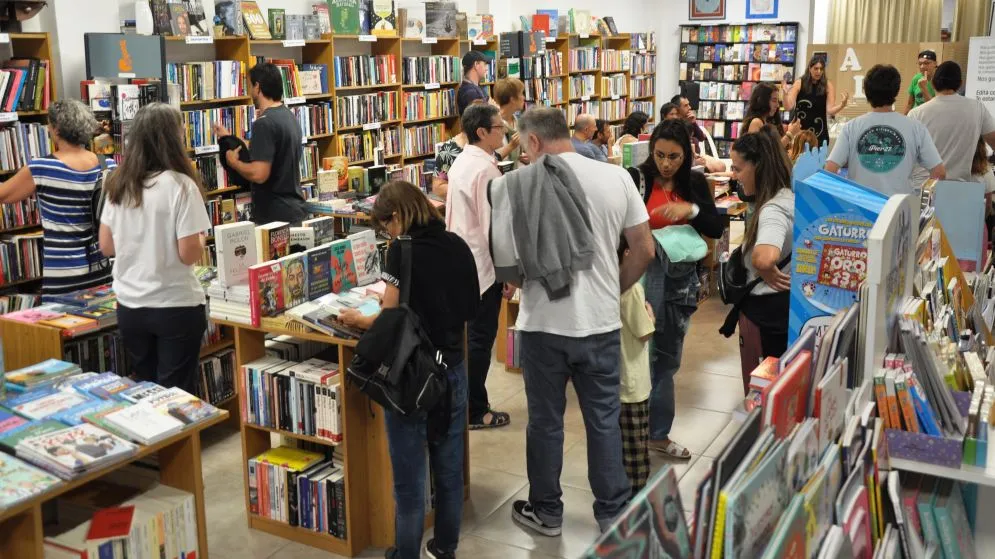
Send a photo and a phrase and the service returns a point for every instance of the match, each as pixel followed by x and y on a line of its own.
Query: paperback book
pixel 366 257
pixel 319 272
pixel 295 279
pixel 236 250
pixel 265 290
pixel 21 481
pixel 255 23
pixel 345 16
pixel 343 266
pixel 74 450
pixel 142 424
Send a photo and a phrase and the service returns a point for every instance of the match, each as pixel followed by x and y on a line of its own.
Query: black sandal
pixel 498 419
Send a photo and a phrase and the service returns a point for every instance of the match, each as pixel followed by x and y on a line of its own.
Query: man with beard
pixel 275 153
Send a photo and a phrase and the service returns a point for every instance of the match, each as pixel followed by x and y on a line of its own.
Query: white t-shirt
pixel 147 268
pixel 955 123
pixel 592 307
pixel 775 227
pixel 880 151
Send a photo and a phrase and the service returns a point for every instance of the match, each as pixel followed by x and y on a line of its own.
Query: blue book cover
pixel 319 271
pixel 89 384
pixel 74 415
pixel 15 400
pixel 109 390
pixel 833 217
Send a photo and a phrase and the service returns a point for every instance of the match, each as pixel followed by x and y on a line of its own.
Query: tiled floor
pixel 708 387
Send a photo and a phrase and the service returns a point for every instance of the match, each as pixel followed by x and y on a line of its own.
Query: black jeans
pixel 482 331
pixel 164 343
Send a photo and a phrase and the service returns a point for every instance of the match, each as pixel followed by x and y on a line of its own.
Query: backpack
pixel 97 200
pixel 395 363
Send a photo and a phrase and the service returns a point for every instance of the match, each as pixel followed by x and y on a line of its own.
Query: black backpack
pixel 395 363
pixel 96 209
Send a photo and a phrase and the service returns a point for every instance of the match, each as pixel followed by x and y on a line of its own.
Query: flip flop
pixel 672 449
pixel 498 419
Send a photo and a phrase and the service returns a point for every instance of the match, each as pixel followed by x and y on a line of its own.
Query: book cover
pixel 97 417
pixel 755 504
pixel 552 30
pixel 10 421
pixel 345 17
pixel 364 252
pixel 48 404
pixel 324 229
pixel 830 405
pixel 301 239
pixel 143 423
pixel 71 325
pixel 378 177
pixel 343 266
pixel 295 280
pixel 789 538
pixel 141 391
pixel 21 481
pixel 786 401
pixel 765 373
pixel 255 23
pixel 74 449
pixel 411 22
pixel 265 290
pixel 319 272
pixel 440 19
pixel 32 316
pixel 328 185
pixel 40 374
pixel 324 22
pixel 112 523
pixel 74 415
pixel 10 439
pixel 160 17
pixel 235 250
pixel 277 23
pixel 474 26
pixel 279 240
pixel 383 22
pixel 951 522
pixel 197 17
pixel 179 20
pixel 487 26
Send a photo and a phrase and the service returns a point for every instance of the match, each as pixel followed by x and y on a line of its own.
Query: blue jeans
pixel 407 440
pixel 592 363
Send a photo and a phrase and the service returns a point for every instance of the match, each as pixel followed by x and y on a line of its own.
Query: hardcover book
pixel 273 240
pixel 230 14
pixel 541 22
pixel 474 26
pixel 554 19
pixel 312 27
pixel 197 17
pixel 295 282
pixel 277 23
pixel 161 23
pixel 755 504
pixel 73 450
pixel 324 229
pixel 324 23
pixel 382 20
pixel 364 252
pixel 487 26
pixel 254 20
pixel 301 239
pixel 345 17
pixel 440 19
pixel 789 539
pixel 265 290
pixel 235 250
pixel 343 266
pixel 786 398
pixel 179 20
pixel 319 275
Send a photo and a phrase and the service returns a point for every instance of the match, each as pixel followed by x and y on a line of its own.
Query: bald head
pixel 585 126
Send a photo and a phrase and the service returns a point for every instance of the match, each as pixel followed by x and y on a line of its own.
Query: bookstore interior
pixel 848 417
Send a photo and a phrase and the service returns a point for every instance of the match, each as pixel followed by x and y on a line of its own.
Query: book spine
pixel 905 403
pixel 892 400
pixel 293 505
pixel 881 398
pixel 340 506
pixel 946 530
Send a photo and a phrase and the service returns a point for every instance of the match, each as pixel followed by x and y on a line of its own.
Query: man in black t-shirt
pixel 474 71
pixel 275 152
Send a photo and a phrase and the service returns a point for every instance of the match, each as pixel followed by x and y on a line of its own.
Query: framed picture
pixel 761 9
pixel 707 9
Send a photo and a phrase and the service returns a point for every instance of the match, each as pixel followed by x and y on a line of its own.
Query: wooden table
pixel 21 535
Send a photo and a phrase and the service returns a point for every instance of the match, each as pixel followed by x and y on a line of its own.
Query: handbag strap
pixel 405 242
pixel 756 281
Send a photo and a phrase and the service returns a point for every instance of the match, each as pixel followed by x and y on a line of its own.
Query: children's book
pixel 21 481
pixel 755 504
pixel 788 541
pixel 786 398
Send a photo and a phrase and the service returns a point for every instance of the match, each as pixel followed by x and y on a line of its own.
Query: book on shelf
pixel 320 10
pixel 306 490
pixel 255 23
pixel 551 25
pixel 277 23
pixel 440 19
pixel 345 16
pixel 229 13
pixel 382 19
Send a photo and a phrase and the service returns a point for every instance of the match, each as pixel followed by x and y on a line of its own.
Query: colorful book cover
pixel 21 481
pixel 383 22
pixel 279 241
pixel 541 22
pixel 97 417
pixel 85 387
pixel 820 495
pixel 179 20
pixel 74 415
pixel 265 290
pixel 50 403
pixel 141 391
pixel 295 279
pixel 236 250
pixel 32 316
pixel 554 18
pixel 789 539
pixel 364 251
pixel 277 23
pixel 254 20
pixel 111 389
pixel 76 448
pixel 324 22
pixel 785 402
pixel 487 26
pixel 319 272
pixel 755 504
pixel 71 325
pixel 474 26
pixel 343 266
pixel 40 374
pixel 951 522
pixel 9 440
pixel 345 17
pixel 10 421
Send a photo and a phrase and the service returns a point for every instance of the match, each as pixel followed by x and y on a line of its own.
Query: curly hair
pixel 73 121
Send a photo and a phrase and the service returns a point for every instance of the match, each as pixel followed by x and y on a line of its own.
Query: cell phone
pixel 789 77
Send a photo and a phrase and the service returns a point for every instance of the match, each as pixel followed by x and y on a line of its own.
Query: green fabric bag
pixel 681 243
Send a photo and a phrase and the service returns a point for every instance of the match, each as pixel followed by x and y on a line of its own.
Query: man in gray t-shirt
pixel 881 148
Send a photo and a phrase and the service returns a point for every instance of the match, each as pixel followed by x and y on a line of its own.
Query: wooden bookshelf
pixel 365 459
pixel 506 319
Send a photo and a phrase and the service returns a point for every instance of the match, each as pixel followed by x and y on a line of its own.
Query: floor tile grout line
pixel 486 539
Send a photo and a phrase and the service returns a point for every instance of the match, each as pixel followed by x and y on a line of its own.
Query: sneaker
pixel 434 552
pixel 522 513
pixel 391 553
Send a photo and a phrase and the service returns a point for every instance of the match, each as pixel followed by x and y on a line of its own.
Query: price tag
pixel 203 150
pixel 294 101
pixel 480 42
pixel 550 39
pixel 614 97
pixel 200 40
pixel 8 117
pixel 429 40
pixel 4 37
pixel 585 98
pixel 367 38
pixel 293 43
pixel 585 35
pixel 126 75
pixel 432 86
pixel 371 126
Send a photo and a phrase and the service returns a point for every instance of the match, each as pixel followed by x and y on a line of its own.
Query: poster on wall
pixel 981 71
pixel 707 9
pixel 761 9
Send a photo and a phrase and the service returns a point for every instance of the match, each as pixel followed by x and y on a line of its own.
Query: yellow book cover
pixel 254 20
pixel 291 458
pixel 720 528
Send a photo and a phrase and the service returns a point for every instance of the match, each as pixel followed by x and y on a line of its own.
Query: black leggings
pixel 164 343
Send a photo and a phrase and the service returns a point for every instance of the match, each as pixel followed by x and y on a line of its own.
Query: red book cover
pixel 764 374
pixel 540 22
pixel 265 290
pixel 111 523
pixel 279 242
pixel 785 400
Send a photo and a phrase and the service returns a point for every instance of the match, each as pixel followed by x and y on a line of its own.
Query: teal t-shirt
pixel 916 92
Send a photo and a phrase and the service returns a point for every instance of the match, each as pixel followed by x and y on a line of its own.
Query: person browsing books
pixel 468 214
pixel 474 71
pixel 64 183
pixel 765 177
pixel 275 152
pixel 153 223
pixel 674 195
pixel 445 296
pixel 585 128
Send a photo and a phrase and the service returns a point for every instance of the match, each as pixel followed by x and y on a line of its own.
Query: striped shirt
pixel 71 258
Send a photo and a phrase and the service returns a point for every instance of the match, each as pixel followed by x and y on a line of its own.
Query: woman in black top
pixel 674 195
pixel 809 97
pixel 444 295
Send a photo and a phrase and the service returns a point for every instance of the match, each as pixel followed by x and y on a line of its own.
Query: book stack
pixel 421 140
pixel 361 146
pixel 143 424
pixel 199 125
pixel 41 375
pixel 22 142
pixel 25 85
pixel 202 81
pixel 217 378
pixel 353 71
pixel 357 110
pixel 301 398
pixel 300 488
pixel 583 59
pixel 431 69
pixel 315 119
pixel 73 451
pixel 21 480
pixel 421 105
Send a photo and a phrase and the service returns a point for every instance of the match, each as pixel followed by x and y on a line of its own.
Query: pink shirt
pixel 468 214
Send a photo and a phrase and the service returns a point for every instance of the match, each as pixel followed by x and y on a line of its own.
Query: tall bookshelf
pixel 25 45
pixel 720 65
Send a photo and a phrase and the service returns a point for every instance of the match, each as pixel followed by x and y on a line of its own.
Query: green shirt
pixel 916 92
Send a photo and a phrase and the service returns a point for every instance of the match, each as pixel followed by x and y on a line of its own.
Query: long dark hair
pixel 772 173
pixel 759 107
pixel 809 85
pixel 676 131
pixel 155 145
pixel 634 123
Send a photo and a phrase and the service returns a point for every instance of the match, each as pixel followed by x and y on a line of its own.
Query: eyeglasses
pixel 501 126
pixel 672 157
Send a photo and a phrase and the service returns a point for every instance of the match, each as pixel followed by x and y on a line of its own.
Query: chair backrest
pixel 711 144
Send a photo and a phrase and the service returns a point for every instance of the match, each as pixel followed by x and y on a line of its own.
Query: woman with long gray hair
pixel 64 182
pixel 154 223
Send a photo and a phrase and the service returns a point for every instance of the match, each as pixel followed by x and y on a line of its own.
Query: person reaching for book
pixel 154 222
pixel 444 295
